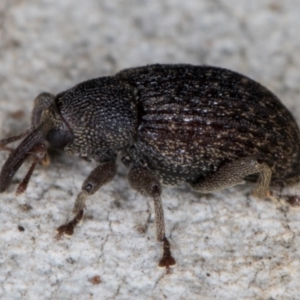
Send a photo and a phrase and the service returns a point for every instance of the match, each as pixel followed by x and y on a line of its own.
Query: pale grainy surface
pixel 227 245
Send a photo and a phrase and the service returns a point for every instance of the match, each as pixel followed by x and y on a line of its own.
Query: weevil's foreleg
pixel 234 173
pixel 38 152
pixel 101 175
pixel 144 182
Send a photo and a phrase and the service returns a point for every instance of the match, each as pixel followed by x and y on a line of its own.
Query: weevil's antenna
pixel 18 156
pixel 12 139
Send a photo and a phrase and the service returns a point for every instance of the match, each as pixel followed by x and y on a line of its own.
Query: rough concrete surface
pixel 227 245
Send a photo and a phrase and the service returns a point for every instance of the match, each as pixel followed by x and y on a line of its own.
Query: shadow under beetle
pixel 209 127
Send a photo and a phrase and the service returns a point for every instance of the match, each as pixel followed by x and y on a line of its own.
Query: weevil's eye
pixel 58 138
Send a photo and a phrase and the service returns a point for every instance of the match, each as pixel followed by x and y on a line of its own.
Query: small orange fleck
pixel 95 279
pixel 18 114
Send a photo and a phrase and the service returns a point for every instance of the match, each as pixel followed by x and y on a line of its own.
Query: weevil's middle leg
pixel 101 175
pixel 144 182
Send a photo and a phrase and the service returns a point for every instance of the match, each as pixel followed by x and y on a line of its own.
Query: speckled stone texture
pixel 228 245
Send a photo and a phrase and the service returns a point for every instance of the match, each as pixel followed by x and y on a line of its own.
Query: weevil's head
pixel 48 126
pixel 95 119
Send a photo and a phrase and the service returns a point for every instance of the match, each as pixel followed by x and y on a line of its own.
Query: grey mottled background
pixel 227 245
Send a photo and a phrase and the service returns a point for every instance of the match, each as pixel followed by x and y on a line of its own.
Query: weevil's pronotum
pixel 209 127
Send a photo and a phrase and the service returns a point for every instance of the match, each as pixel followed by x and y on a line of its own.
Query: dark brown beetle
pixel 209 127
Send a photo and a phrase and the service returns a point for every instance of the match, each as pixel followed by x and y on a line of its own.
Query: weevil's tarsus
pixel 144 182
pixel 38 151
pixel 293 200
pixel 101 175
pixel 167 261
pixel 283 200
pixel 68 228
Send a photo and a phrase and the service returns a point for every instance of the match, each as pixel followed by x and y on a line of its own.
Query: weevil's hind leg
pixel 234 173
pixel 144 182
pixel 101 175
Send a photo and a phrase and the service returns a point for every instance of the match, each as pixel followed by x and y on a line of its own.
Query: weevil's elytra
pixel 209 127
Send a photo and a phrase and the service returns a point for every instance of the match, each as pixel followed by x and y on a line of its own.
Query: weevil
pixel 205 126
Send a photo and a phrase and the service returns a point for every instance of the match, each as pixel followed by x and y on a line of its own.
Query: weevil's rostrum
pixel 209 127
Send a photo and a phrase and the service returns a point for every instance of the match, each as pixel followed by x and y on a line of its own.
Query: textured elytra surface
pixel 195 119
